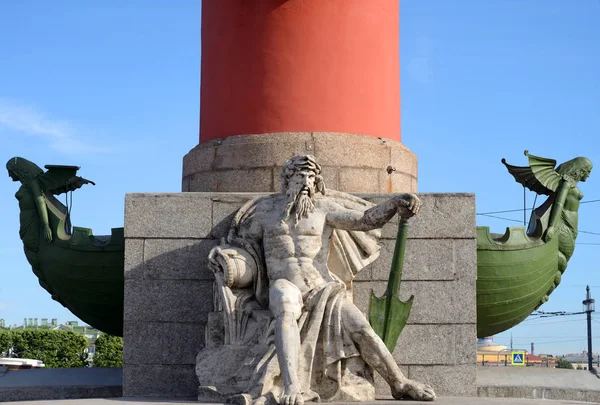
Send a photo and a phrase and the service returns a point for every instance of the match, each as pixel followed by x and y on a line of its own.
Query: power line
pixel 555 341
pixel 554 313
pixel 521 338
pixel 544 314
pixel 550 323
pixel 519 221
pixel 562 341
pixel 528 209
pixel 578 286
pixel 531 322
pixel 503 212
pixel 506 219
pixel 542 318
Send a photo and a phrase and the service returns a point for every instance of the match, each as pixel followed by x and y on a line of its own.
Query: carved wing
pixel 61 179
pixel 539 177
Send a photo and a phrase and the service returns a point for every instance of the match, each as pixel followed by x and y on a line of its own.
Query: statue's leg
pixel 375 354
pixel 285 302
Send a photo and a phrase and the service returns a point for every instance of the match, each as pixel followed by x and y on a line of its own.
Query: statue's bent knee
pixel 284 296
pixel 363 334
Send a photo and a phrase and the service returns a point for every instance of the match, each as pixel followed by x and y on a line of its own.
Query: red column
pixel 300 66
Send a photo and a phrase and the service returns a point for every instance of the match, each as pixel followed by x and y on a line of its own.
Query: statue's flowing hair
pixel 23 169
pixel 574 169
pixel 301 162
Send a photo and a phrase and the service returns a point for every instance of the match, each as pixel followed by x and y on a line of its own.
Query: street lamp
pixel 588 308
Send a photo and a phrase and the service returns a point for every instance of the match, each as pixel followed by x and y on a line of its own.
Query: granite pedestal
pixel 169 289
pixel 352 162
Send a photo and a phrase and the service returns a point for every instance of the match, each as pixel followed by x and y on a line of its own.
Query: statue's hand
pixel 549 233
pixel 408 205
pixel 48 233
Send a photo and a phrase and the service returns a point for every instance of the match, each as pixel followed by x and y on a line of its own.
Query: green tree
pixel 5 343
pixel 56 348
pixel 562 363
pixel 109 351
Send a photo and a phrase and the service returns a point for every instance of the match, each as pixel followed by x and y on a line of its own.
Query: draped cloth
pixel 324 347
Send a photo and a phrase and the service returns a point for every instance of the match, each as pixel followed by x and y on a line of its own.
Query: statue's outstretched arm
pixel 557 208
pixel 406 205
pixel 42 210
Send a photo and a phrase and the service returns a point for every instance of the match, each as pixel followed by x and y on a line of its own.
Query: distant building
pixel 539 361
pixel 32 323
pixel 491 354
pixel 580 360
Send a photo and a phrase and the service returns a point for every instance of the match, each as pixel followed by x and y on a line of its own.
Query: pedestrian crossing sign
pixel 518 358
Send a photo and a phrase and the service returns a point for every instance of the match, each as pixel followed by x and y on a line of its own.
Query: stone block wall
pixel 438 345
pixel 168 289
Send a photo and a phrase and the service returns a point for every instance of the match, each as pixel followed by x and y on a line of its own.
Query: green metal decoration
pixel 388 314
pixel 81 271
pixel 517 271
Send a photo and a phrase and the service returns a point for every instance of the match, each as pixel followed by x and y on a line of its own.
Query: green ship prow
pixel 81 271
pixel 514 274
pixel 84 272
pixel 517 271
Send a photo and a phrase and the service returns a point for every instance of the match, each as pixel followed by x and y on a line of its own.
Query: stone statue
pixel 80 270
pixel 290 332
pixel 36 186
pixel 558 215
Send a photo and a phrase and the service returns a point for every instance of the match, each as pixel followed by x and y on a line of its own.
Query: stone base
pixel 209 394
pixel 169 289
pixel 538 383
pixel 251 163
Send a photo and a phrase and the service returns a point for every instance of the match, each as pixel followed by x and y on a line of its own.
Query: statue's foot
pixel 413 389
pixel 292 396
pixel 311 396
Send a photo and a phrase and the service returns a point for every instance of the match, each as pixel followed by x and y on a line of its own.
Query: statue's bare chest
pixel 312 226
pixel 288 239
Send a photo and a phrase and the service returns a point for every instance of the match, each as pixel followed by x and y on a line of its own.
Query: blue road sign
pixel 518 358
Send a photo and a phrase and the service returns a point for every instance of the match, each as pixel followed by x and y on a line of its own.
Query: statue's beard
pixel 299 203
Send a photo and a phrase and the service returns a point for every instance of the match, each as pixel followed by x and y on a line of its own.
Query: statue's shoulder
pixel 257 208
pixel 334 199
pixel 268 203
pixel 327 203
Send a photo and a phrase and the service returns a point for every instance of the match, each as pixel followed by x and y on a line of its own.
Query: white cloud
pixel 420 70
pixel 420 66
pixel 59 134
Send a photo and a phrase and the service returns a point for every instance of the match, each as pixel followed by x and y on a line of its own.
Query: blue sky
pixel 113 87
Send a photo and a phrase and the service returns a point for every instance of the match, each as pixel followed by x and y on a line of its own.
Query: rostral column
pixel 281 78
